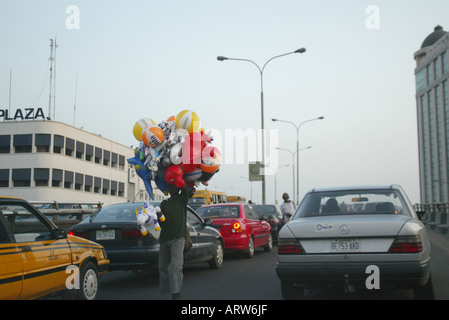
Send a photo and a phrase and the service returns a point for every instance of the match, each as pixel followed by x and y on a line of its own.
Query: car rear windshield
pixel 118 212
pixel 379 201
pixel 266 210
pixel 219 212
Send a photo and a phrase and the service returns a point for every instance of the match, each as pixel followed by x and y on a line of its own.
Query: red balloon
pixel 174 175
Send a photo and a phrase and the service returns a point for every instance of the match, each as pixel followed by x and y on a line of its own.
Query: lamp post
pixel 251 186
pixel 222 58
pixel 297 127
pixel 293 166
pixel 275 184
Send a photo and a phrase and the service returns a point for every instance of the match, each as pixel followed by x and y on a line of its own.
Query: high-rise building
pixel 432 100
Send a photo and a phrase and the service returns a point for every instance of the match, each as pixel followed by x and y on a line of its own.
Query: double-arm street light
pixel 297 127
pixel 293 163
pixel 221 58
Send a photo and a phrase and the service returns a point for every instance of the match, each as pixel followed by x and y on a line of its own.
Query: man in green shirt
pixel 172 238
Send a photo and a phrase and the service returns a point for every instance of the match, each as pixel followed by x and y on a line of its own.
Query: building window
pixel 428 73
pixel 98 155
pixel 420 80
pixel 23 143
pixel 68 179
pixel 444 58
pixel 89 152
pixel 79 179
pixel 79 150
pixel 106 157
pixel 114 160
pixel 436 68
pixel 121 189
pixel 4 178
pixel 42 142
pixel 58 143
pixel 5 143
pixel 97 185
pixel 41 177
pixel 105 186
pixel 121 162
pixel 69 147
pixel 113 188
pixel 56 178
pixel 88 182
pixel 21 177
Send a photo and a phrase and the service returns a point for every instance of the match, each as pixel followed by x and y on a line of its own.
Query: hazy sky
pixel 137 59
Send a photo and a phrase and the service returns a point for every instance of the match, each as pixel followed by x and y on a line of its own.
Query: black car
pixel 115 227
pixel 272 214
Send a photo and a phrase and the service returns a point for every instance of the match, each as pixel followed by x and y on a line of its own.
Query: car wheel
pixel 89 282
pixel 250 251
pixel 425 292
pixel 269 245
pixel 290 291
pixel 217 260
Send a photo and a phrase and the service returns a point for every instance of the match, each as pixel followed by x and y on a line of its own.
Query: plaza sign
pixel 22 114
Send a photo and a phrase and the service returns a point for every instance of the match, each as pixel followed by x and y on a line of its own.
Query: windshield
pixel 219 212
pixel 119 212
pixel 266 210
pixel 381 201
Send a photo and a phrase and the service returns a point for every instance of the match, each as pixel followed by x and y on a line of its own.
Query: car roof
pixel 15 198
pixel 224 204
pixel 361 187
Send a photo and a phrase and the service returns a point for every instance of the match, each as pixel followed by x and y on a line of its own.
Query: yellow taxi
pixel 37 258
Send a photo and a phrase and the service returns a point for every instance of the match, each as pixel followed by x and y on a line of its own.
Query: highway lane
pixel 255 279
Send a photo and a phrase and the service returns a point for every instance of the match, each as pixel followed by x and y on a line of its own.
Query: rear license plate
pixel 345 245
pixel 105 235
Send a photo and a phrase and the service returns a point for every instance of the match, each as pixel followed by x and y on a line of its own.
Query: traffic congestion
pixel 330 241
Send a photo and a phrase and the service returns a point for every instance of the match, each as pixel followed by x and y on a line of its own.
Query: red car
pixel 241 226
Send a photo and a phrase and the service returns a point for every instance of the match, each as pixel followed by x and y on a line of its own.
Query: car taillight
pixel 131 233
pixel 78 234
pixel 236 227
pixel 290 246
pixel 406 244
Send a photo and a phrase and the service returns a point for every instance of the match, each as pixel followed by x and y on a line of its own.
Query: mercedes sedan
pixel 359 238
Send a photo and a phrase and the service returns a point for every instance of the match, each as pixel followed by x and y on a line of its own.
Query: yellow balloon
pixel 139 125
pixel 189 121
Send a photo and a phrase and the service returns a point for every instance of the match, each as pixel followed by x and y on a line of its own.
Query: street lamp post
pixel 293 166
pixel 275 184
pixel 297 127
pixel 221 58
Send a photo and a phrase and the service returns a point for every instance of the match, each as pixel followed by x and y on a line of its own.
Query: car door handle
pixel 26 248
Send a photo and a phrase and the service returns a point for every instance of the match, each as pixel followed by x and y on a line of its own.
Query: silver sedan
pixel 360 238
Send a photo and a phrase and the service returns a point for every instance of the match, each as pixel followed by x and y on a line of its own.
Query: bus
pixel 236 199
pixel 202 197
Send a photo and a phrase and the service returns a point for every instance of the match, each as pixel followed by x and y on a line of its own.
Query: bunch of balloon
pixel 177 141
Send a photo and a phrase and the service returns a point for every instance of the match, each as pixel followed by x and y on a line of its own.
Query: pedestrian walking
pixel 287 208
pixel 173 236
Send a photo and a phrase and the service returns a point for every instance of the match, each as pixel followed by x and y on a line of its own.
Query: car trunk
pixel 115 235
pixel 347 233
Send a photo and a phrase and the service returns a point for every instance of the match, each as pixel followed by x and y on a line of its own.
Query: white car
pixel 356 237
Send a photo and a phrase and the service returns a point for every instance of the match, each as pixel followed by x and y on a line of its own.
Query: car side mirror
pixel 207 222
pixel 422 215
pixel 59 234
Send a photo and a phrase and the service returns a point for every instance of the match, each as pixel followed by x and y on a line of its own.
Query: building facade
pixel 432 100
pixel 42 160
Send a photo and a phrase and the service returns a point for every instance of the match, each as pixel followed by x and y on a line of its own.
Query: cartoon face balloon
pixel 211 160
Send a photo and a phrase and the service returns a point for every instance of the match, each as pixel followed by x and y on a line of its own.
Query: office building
pixel 432 100
pixel 42 160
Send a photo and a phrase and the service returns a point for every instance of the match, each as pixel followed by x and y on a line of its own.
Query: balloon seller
pixel 173 234
pixel 177 156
